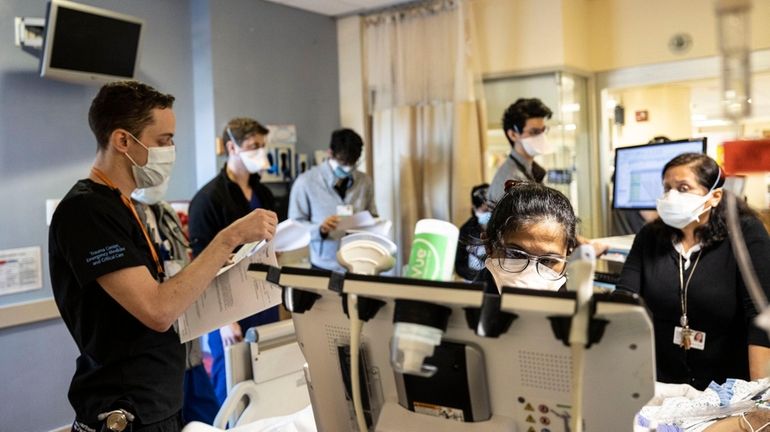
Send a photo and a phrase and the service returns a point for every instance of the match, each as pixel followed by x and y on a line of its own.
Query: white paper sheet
pixel 357 221
pixel 382 228
pixel 232 295
pixel 20 270
pixel 291 235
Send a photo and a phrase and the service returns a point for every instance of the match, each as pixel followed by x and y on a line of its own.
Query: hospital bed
pixel 267 389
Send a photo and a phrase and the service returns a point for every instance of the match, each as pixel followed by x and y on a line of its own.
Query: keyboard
pixel 608 278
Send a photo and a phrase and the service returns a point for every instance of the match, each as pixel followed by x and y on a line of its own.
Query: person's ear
pixel 716 197
pixel 231 147
pixel 513 136
pixel 119 140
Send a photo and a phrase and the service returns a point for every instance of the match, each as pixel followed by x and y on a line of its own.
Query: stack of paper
pixel 232 295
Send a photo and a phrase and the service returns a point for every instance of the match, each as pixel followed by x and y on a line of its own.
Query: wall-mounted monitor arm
pixel 28 33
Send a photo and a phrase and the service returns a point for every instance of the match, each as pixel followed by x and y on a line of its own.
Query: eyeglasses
pixel 536 131
pixel 533 131
pixel 550 267
pixel 243 145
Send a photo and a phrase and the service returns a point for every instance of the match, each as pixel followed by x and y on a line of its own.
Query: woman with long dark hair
pixel 683 266
pixel 531 232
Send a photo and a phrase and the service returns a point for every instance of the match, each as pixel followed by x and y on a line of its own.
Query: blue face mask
pixel 483 217
pixel 341 171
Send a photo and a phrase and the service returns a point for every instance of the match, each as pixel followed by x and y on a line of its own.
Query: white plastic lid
pixel 436 226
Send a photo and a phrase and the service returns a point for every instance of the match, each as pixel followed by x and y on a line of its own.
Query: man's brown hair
pixel 126 105
pixel 242 128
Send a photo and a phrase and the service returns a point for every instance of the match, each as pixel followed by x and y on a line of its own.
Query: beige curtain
pixel 427 118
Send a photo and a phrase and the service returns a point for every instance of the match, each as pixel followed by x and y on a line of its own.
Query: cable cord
pixel 742 254
pixel 751 428
pixel 355 348
pixel 578 354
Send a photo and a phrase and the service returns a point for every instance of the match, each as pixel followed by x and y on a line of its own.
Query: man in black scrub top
pixel 236 191
pixel 107 278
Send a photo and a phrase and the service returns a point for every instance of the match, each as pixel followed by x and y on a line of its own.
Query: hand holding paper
pixel 258 225
pixel 232 295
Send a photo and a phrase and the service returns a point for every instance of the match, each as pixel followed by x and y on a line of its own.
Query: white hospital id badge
pixel 697 338
pixel 345 210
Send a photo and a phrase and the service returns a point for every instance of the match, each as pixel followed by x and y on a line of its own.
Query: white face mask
pixel 255 160
pixel 151 195
pixel 678 209
pixel 160 162
pixel 537 145
pixel 529 278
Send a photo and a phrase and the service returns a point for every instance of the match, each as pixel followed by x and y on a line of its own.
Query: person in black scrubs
pixel 470 254
pixel 170 239
pixel 235 192
pixel 107 277
pixel 528 238
pixel 683 266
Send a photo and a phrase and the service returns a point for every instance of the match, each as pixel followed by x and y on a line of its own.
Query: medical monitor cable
pixel 355 347
pixel 580 268
pixel 738 243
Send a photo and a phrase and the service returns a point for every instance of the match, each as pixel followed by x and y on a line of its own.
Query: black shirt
pixel 470 255
pixel 218 204
pixel 93 234
pixel 718 303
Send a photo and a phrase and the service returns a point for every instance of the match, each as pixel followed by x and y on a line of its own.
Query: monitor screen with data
pixel 638 171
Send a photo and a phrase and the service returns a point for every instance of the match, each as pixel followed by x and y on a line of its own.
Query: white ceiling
pixel 338 7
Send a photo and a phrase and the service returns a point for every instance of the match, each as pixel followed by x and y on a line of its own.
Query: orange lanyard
pixel 127 202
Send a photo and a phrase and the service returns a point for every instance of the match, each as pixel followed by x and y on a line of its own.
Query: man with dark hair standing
pixel 107 277
pixel 525 129
pixel 233 193
pixel 319 194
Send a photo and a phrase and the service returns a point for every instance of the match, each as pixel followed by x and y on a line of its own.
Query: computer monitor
pixel 638 171
pixel 516 377
pixel 83 43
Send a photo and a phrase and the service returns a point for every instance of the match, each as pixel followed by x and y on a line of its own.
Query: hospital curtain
pixel 427 121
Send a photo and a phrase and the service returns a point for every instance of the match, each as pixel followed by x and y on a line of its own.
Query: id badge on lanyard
pixel 689 338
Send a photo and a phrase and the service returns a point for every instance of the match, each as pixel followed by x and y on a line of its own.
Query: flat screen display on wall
pixel 85 43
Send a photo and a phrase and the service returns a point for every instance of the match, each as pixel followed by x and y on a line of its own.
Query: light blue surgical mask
pixel 341 171
pixel 483 217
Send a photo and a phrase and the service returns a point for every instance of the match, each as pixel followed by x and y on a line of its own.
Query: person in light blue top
pixel 319 196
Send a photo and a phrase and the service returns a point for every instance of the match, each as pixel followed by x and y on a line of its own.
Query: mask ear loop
pixel 713 188
pixel 232 138
pixel 716 182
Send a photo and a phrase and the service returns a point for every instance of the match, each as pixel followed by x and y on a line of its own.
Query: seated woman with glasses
pixel 528 238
